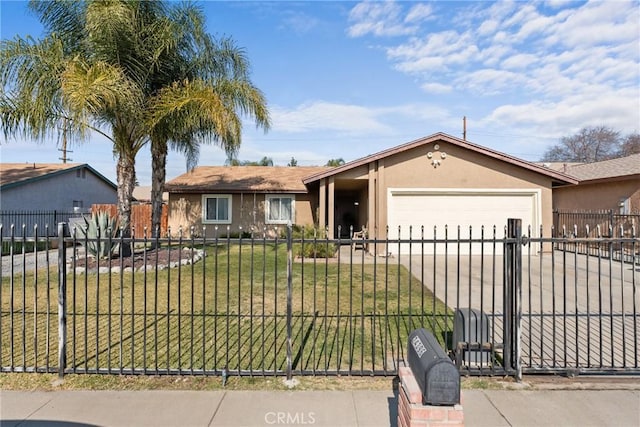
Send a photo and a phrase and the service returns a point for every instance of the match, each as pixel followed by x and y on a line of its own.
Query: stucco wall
pixel 247 211
pixel 598 196
pixel 460 168
pixel 58 193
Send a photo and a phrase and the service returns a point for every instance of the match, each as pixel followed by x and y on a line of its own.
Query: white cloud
pixel 379 19
pixel 436 50
pixel 598 23
pixel 320 115
pixel 618 109
pixel 437 88
pixel 299 22
pixel 519 61
pixel 418 13
pixel 490 81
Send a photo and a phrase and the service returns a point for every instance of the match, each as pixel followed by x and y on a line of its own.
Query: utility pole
pixel 464 128
pixel 64 145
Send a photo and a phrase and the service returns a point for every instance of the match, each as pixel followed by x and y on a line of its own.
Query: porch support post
pixel 322 209
pixel 372 220
pixel 332 207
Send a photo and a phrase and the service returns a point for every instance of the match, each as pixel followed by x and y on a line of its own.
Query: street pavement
pixel 581 406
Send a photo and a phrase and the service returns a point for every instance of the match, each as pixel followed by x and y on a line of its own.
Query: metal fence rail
pixel 580 311
pixel 259 306
pixel 25 222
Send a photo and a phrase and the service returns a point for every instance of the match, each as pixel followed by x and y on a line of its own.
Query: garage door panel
pixel 469 211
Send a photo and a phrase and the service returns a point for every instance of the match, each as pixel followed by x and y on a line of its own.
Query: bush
pixel 315 243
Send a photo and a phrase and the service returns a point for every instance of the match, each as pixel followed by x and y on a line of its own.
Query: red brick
pixel 455 413
pixel 431 413
pixel 445 424
pixel 412 388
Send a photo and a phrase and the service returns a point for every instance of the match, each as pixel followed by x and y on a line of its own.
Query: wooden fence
pixel 140 217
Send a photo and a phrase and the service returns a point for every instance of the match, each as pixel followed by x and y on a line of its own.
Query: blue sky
pixel 347 79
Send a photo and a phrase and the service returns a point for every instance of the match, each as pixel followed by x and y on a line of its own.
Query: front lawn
pixel 228 310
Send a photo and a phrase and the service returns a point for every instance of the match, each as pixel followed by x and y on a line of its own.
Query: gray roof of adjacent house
pixel 607 169
pixel 16 174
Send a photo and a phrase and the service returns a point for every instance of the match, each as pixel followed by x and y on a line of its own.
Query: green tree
pixel 233 161
pixel 292 162
pixel 335 162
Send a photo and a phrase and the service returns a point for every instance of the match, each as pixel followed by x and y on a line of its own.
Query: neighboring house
pixel 432 182
pixel 247 197
pixel 46 194
pixel 142 194
pixel 612 185
pixel 59 186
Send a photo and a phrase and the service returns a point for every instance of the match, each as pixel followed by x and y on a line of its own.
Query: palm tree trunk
pixel 158 177
pixel 126 176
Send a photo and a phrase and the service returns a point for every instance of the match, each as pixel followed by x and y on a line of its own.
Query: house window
pixel 280 209
pixel 216 209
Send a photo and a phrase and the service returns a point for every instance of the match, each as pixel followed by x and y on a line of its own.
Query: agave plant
pixel 100 234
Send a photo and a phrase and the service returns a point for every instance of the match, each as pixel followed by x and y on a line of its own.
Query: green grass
pixel 229 310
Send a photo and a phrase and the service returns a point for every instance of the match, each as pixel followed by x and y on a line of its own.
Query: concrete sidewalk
pixel 317 408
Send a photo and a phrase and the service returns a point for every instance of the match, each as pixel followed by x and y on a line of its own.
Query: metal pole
pixel 62 301
pixel 289 299
pixel 518 298
pixel 512 297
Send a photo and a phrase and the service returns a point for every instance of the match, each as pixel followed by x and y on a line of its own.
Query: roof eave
pixel 558 176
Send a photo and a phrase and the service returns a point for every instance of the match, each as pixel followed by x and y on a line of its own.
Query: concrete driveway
pixel 577 310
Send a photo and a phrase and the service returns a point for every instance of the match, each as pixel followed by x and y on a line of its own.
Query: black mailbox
pixel 437 376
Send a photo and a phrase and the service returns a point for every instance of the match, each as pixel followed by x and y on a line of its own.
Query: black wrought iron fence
pixel 261 306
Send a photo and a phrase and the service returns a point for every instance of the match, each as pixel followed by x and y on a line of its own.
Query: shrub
pixel 315 243
pixel 100 234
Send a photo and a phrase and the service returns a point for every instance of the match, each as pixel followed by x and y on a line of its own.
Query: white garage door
pixel 469 209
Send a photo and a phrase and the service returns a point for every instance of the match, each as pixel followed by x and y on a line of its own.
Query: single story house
pixel 435 181
pixel 611 185
pixel 36 188
pixel 241 198
pixel 53 186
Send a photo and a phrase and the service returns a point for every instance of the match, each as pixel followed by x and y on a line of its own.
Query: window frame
pixel 267 207
pixel 229 197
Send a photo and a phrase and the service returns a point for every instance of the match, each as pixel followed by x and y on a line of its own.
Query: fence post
pixel 289 300
pixel 513 297
pixel 62 301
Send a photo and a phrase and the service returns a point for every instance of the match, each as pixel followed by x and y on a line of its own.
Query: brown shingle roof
pixel 16 174
pixel 235 179
pixel 11 173
pixel 614 168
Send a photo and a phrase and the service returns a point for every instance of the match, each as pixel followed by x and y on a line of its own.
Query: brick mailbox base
pixel 411 411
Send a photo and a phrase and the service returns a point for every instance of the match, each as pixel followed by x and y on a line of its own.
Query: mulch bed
pixel 150 258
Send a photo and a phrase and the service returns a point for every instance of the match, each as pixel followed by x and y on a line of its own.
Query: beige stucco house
pixel 435 181
pixel 610 185
pixel 241 199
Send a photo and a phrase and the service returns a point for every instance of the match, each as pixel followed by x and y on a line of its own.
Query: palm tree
pixel 145 70
pixel 59 85
pixel 202 90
